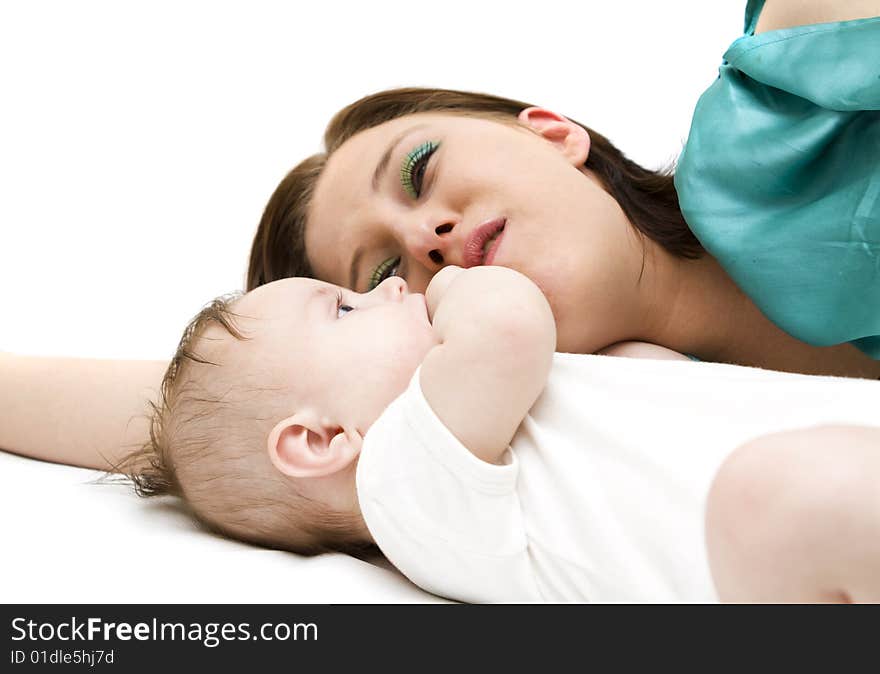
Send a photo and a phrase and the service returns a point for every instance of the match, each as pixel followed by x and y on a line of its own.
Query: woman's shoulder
pixel 778 176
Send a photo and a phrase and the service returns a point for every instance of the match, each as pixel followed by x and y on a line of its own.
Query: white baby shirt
pixel 603 491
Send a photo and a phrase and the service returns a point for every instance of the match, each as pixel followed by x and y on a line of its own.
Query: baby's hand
pixel 438 286
pixel 494 325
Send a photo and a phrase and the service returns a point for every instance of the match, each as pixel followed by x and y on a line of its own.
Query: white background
pixel 139 142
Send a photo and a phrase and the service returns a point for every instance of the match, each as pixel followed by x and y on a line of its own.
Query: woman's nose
pixel 432 243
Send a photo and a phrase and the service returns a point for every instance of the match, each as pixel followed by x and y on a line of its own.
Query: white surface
pixel 69 540
pixel 141 141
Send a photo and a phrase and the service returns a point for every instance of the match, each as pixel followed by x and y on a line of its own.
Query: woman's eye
pixel 388 268
pixel 412 171
pixel 341 307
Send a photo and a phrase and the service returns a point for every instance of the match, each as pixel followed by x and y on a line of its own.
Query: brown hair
pixel 648 198
pixel 205 447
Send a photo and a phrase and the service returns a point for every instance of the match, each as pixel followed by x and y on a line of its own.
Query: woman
pixel 511 184
pixel 473 179
pixel 779 178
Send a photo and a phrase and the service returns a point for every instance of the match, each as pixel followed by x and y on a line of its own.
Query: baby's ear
pixel 306 446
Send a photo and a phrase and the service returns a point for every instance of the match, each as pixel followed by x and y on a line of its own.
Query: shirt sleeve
pixel 832 65
pixel 447 520
pixel 780 179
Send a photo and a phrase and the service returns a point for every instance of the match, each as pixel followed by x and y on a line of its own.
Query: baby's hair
pixel 207 446
pixel 156 476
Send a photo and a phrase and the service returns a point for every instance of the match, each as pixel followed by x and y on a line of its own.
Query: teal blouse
pixel 780 176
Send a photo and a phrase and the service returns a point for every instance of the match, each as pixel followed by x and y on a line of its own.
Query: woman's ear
pixel 305 446
pixel 570 138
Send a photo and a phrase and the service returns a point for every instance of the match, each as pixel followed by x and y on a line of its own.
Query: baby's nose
pixel 392 289
pixel 397 289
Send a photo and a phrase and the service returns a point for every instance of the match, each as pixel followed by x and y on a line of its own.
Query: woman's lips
pixel 493 248
pixel 473 254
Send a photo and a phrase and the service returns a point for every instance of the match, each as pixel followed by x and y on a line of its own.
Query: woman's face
pixel 422 191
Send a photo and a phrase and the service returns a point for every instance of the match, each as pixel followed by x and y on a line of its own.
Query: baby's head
pixel 264 407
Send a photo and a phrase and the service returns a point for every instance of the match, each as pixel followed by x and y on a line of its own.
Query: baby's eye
pixel 341 307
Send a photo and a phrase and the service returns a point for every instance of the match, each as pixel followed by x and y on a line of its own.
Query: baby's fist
pixel 439 285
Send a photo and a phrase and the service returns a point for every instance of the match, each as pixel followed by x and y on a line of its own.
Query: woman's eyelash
pixel 412 171
pixel 340 305
pixel 383 271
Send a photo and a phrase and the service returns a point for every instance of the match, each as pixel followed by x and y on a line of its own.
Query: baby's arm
pixel 78 411
pixel 795 517
pixel 497 339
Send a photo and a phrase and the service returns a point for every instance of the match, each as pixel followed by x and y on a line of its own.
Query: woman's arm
pixel 787 13
pixel 82 412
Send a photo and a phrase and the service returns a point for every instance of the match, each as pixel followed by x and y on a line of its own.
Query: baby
pixel 444 429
